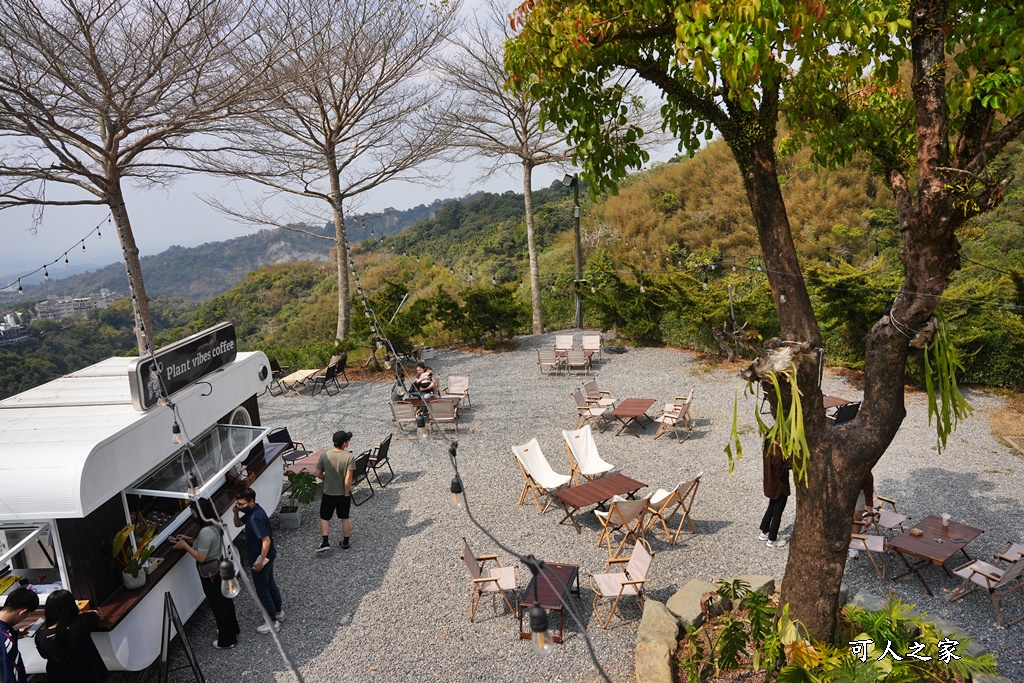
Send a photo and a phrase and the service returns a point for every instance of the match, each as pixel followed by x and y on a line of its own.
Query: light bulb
pixel 541 638
pixel 782 295
pixel 46 273
pixel 593 291
pixel 66 262
pixel 176 433
pixel 456 489
pixel 83 245
pixel 230 587
pixel 20 290
pixel 421 426
pixel 642 290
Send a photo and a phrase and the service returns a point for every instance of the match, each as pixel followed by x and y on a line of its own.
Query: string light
pixel 45 267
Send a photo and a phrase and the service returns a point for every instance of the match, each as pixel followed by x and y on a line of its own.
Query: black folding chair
pixel 847 412
pixel 324 382
pixel 276 373
pixel 378 457
pixel 342 361
pixel 294 450
pixel 362 462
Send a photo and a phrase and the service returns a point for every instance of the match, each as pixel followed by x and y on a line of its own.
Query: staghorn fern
pixel 945 402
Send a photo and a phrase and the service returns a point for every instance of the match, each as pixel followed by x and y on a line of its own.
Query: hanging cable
pixel 43 268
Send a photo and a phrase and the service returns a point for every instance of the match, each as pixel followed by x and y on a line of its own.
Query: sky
pixel 176 215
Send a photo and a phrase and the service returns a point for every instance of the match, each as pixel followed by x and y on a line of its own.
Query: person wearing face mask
pixel 261 553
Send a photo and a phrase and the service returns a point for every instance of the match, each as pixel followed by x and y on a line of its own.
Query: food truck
pixel 116 443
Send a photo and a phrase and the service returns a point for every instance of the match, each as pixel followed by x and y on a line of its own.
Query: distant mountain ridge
pixel 208 270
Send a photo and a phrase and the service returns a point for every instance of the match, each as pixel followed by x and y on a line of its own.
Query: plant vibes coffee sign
pixel 181 364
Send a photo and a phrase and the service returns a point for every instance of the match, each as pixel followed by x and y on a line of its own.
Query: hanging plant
pixel 945 402
pixel 787 430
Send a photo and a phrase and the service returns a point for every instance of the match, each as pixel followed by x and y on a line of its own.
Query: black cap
pixel 341 438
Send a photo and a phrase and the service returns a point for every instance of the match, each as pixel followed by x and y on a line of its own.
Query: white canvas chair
pixel 548 361
pixel 889 520
pixel 1010 554
pixel 458 385
pixel 665 504
pixel 574 358
pixel 626 517
pixel 587 412
pixel 999 582
pixel 540 479
pixel 614 586
pixel 873 545
pixel 489 580
pixel 583 456
pixel 564 342
pixel 592 342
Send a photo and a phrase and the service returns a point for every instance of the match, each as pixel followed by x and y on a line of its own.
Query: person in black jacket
pixel 65 642
pixel 776 489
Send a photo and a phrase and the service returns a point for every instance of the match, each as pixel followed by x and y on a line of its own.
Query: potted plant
pixel 301 491
pixel 133 559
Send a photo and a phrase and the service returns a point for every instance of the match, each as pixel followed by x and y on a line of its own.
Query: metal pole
pixel 578 248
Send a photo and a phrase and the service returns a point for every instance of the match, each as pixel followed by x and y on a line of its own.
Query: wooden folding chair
pixel 889 520
pixel 576 359
pixel 592 342
pixel 1010 554
pixel 587 412
pixel 564 342
pixel 403 418
pixel 489 580
pixel 997 581
pixel 872 544
pixel 583 456
pixel 665 504
pixel 546 358
pixel 626 517
pixel 596 395
pixel 458 385
pixel 614 586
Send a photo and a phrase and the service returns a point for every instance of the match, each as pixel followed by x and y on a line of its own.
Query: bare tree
pixel 92 91
pixel 354 108
pixel 501 125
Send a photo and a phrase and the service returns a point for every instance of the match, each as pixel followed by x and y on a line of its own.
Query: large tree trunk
pixel 531 248
pixel 341 250
pixel 144 331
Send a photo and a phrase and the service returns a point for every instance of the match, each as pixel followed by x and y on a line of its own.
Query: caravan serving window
pixel 161 497
pixel 28 556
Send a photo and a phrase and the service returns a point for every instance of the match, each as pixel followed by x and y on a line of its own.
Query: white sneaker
pixel 762 536
pixel 776 544
pixel 279 616
pixel 264 629
pixel 853 553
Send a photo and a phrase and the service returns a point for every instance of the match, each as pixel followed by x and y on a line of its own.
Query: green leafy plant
pixel 130 558
pixel 751 634
pixel 302 487
pixel 945 402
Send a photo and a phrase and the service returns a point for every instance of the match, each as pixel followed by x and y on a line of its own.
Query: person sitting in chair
pixel 425 383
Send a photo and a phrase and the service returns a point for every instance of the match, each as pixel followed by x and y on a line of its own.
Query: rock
pixel 986 678
pixel 658 625
pixel 685 604
pixel 652 663
pixel 758 583
pixel 869 601
pixel 844 595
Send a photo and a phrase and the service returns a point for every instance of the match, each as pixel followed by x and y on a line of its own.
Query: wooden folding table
pixel 935 546
pixel 630 411
pixel 594 493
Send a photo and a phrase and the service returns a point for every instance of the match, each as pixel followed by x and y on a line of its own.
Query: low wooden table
pixel 631 411
pixel 833 402
pixel 307 464
pixel 935 546
pixel 296 381
pixel 548 589
pixel 594 492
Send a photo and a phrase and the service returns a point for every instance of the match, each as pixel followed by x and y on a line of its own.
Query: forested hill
pixel 208 270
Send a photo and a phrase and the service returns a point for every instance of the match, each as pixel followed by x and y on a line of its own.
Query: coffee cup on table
pixel 945 521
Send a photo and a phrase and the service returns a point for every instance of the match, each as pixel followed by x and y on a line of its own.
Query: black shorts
pixel 328 505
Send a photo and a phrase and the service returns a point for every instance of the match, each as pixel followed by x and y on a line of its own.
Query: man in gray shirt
pixel 336 468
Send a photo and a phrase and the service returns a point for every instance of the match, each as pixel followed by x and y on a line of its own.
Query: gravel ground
pixel 395 606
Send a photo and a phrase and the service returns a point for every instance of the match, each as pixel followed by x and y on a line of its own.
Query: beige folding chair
pixel 489 580
pixel 592 342
pixel 540 479
pixel 997 581
pixel 626 517
pixel 674 416
pixel 443 412
pixel 575 358
pixel 586 412
pixel 547 359
pixel 564 342
pixel 458 385
pixel 583 456
pixel 873 545
pixel 596 395
pixel 1011 553
pixel 614 586
pixel 889 520
pixel 403 416
pixel 665 504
